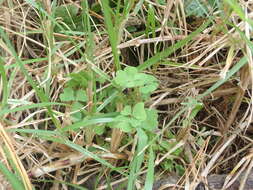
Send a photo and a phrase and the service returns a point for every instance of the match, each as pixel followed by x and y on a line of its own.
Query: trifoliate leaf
pixel 151 120
pixel 131 71
pixel 134 122
pixel 120 78
pixel 67 95
pixel 79 79
pixel 125 127
pixel 126 111
pixel 78 115
pixel 81 96
pixel 129 78
pixel 149 88
pixel 139 111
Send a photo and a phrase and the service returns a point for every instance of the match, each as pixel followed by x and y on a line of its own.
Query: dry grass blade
pixel 195 115
pixel 15 158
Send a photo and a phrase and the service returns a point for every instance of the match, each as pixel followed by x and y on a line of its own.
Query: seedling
pixel 75 94
pixel 137 116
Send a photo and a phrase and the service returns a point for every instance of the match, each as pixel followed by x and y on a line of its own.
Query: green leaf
pixel 135 165
pixel 125 127
pixel 126 111
pixel 149 88
pixel 81 96
pixel 168 165
pixel 131 70
pixel 11 177
pixel 180 169
pixel 139 111
pixel 99 129
pixel 129 78
pixel 67 95
pixel 79 79
pixel 121 78
pixel 151 121
pixel 78 115
pixel 151 170
pixel 135 122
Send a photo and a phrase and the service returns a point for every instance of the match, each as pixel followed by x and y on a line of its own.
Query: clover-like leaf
pixel 79 79
pixel 149 88
pixel 120 78
pixel 67 95
pixel 131 71
pixel 151 121
pixel 81 95
pixel 135 122
pixel 124 126
pixel 126 111
pixel 129 78
pixel 139 111
pixel 78 115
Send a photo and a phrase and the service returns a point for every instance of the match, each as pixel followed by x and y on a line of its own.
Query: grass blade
pixel 230 73
pixel 21 108
pixel 138 158
pixel 151 170
pixel 161 55
pixel 12 178
pixel 111 32
pixel 43 97
pixel 5 84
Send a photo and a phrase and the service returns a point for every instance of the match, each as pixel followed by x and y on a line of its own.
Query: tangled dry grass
pixel 215 141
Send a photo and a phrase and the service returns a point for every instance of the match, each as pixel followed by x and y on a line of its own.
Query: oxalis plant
pixel 134 89
pixel 138 87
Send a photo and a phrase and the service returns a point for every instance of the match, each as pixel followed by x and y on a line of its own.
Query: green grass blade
pixel 138 158
pixel 24 62
pixel 12 178
pixel 86 122
pixel 230 73
pixel 138 6
pixel 161 55
pixel 26 107
pixel 43 97
pixel 107 101
pixel 151 22
pixel 151 170
pixel 111 32
pixel 237 8
pixel 4 83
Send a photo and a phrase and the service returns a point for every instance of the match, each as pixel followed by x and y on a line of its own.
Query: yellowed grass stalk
pixel 70 160
pixel 14 157
pixel 117 134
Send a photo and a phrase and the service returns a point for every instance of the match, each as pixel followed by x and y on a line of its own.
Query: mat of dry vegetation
pixel 70 121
